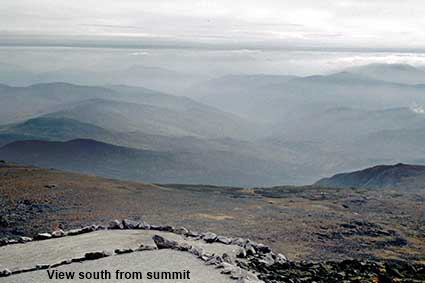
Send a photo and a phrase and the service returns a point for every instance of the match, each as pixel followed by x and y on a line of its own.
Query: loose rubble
pixel 253 262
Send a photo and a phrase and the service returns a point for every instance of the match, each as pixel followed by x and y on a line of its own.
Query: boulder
pixel 163 243
pixel 224 240
pixel 209 237
pixel 115 225
pixel 130 224
pixel 181 231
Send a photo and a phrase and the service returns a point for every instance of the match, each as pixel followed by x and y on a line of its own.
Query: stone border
pixel 236 269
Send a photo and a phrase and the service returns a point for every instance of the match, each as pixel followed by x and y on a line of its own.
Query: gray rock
pixel 261 248
pixel 25 239
pixel 155 227
pixel 224 240
pixel 280 258
pixel 184 247
pixel 227 258
pixel 193 234
pixel 74 232
pixel 239 242
pixel 5 272
pixel 209 237
pixel 163 243
pixel 241 253
pixel 43 236
pixel 146 248
pixel 58 233
pixel 88 229
pixel 197 251
pixel 144 226
pixel 214 260
pixel 115 224
pixel 130 224
pixel 181 231
pixel 96 255
pixel 166 228
pixel 42 266
pixel 267 259
pixel 123 251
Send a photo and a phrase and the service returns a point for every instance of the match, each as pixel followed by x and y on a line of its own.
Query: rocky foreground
pixel 132 245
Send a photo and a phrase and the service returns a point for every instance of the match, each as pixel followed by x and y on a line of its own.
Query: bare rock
pixel 224 240
pixel 181 231
pixel 5 272
pixel 163 243
pixel 115 225
pixel 209 237
pixel 95 255
pixel 130 224
pixel 43 236
pixel 58 233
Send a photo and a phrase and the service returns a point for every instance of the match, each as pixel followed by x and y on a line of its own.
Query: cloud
pixel 343 23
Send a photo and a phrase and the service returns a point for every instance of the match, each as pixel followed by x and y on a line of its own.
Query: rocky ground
pixel 305 223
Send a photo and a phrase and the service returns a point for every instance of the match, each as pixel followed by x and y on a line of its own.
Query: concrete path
pixel 48 252
pixel 147 261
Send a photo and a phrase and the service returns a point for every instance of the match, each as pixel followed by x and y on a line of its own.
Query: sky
pixel 371 24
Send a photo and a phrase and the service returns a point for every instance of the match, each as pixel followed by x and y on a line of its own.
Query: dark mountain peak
pixel 381 176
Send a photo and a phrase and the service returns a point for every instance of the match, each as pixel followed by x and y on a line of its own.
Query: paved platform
pixel 48 252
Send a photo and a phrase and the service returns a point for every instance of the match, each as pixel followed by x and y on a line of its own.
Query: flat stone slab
pixel 145 261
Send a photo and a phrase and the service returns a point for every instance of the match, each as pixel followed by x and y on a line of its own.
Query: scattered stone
pixel 227 258
pixel 115 225
pixel 239 242
pixel 144 226
pixel 123 251
pixel 166 228
pixel 43 236
pixel 163 243
pixel 193 234
pixel 262 248
pixel 214 260
pixel 146 248
pixel 209 237
pixel 224 240
pixel 5 272
pixel 155 227
pixel 181 231
pixel 197 251
pixel 130 224
pixel 42 266
pixel 184 247
pixel 241 253
pixel 25 239
pixel 64 262
pixel 95 255
pixel 58 233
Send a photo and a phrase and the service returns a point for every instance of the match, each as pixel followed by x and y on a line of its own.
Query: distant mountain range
pixel 102 159
pixel 280 129
pixel 399 176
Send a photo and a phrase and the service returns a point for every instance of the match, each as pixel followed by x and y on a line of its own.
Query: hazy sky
pixel 240 23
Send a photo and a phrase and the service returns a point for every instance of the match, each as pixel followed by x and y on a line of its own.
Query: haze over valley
pixel 232 129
